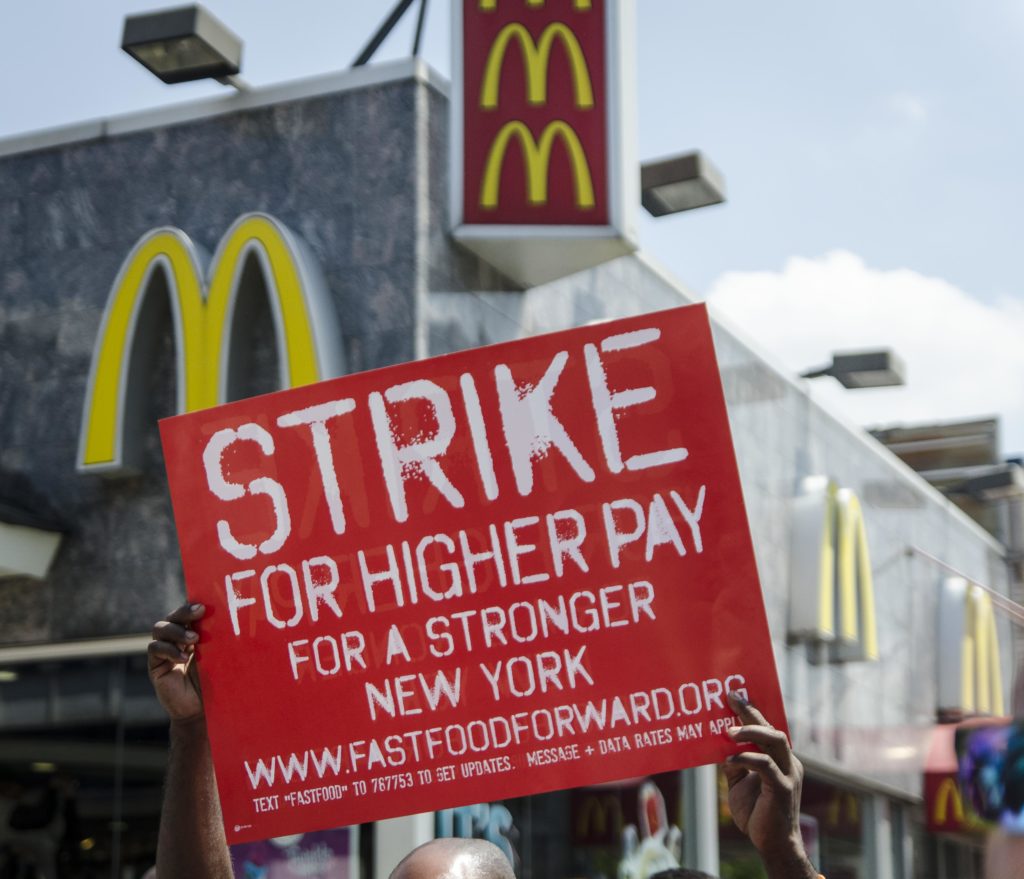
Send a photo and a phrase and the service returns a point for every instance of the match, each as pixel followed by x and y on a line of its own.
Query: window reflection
pixel 622 830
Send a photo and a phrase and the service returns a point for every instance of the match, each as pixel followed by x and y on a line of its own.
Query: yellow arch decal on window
pixel 536 60
pixel 307 339
pixel 947 797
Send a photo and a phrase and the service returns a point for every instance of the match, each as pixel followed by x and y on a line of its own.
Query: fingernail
pixel 195 608
pixel 191 636
pixel 738 699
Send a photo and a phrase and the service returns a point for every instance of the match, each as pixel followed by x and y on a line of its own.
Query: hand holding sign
pixel 422 582
pixel 171 666
pixel 764 793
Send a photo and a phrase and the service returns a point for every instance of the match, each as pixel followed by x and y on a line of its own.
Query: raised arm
pixel 191 841
pixel 764 794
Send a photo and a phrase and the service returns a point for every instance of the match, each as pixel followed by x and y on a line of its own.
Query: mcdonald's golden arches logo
pixel 599 815
pixel 537 59
pixel 203 306
pixel 491 5
pixel 832 598
pixel 970 677
pixel 537 156
pixel 843 809
pixel 948 804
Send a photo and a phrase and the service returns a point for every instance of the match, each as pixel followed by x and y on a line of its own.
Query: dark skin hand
pixel 764 793
pixel 192 841
pixel 171 665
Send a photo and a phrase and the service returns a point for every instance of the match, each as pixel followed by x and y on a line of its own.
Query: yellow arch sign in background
pixel 981 678
pixel 969 668
pixel 833 592
pixel 307 339
pixel 948 799
pixel 858 624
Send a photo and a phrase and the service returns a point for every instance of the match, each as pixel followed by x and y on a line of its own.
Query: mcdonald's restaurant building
pixel 172 260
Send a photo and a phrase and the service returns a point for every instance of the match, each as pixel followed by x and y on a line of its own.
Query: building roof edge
pixel 204 108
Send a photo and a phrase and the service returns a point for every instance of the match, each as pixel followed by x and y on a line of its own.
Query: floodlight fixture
pixel 1001 482
pixel 680 183
pixel 864 369
pixel 183 44
pixel 29 536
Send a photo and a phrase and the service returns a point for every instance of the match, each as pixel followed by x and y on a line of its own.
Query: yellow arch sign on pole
pixel 832 596
pixel 536 60
pixel 537 156
pixel 308 342
pixel 491 5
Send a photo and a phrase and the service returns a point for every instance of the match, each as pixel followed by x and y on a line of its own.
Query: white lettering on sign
pixel 567 545
pixel 213 461
pixel 475 416
pixel 268 603
pixel 523 675
pixel 400 696
pixel 316 418
pixel 330 653
pixel 626 522
pixel 530 425
pixel 530 428
pixel 606 403
pixel 321 591
pixel 399 462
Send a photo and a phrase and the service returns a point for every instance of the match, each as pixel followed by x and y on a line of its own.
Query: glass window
pixel 944 856
pixel 624 830
pixel 897 833
pixel 832 823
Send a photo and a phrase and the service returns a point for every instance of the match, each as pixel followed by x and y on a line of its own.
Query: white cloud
pixel 964 358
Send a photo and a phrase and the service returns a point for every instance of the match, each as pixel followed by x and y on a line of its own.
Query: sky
pixel 871 152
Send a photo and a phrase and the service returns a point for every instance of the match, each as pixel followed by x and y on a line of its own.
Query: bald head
pixel 454 859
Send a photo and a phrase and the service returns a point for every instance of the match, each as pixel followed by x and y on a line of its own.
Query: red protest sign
pixel 494 573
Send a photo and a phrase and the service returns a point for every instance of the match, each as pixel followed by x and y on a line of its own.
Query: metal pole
pixel 419 28
pixel 1007 605
pixel 382 32
pixel 117 817
pixel 700 819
